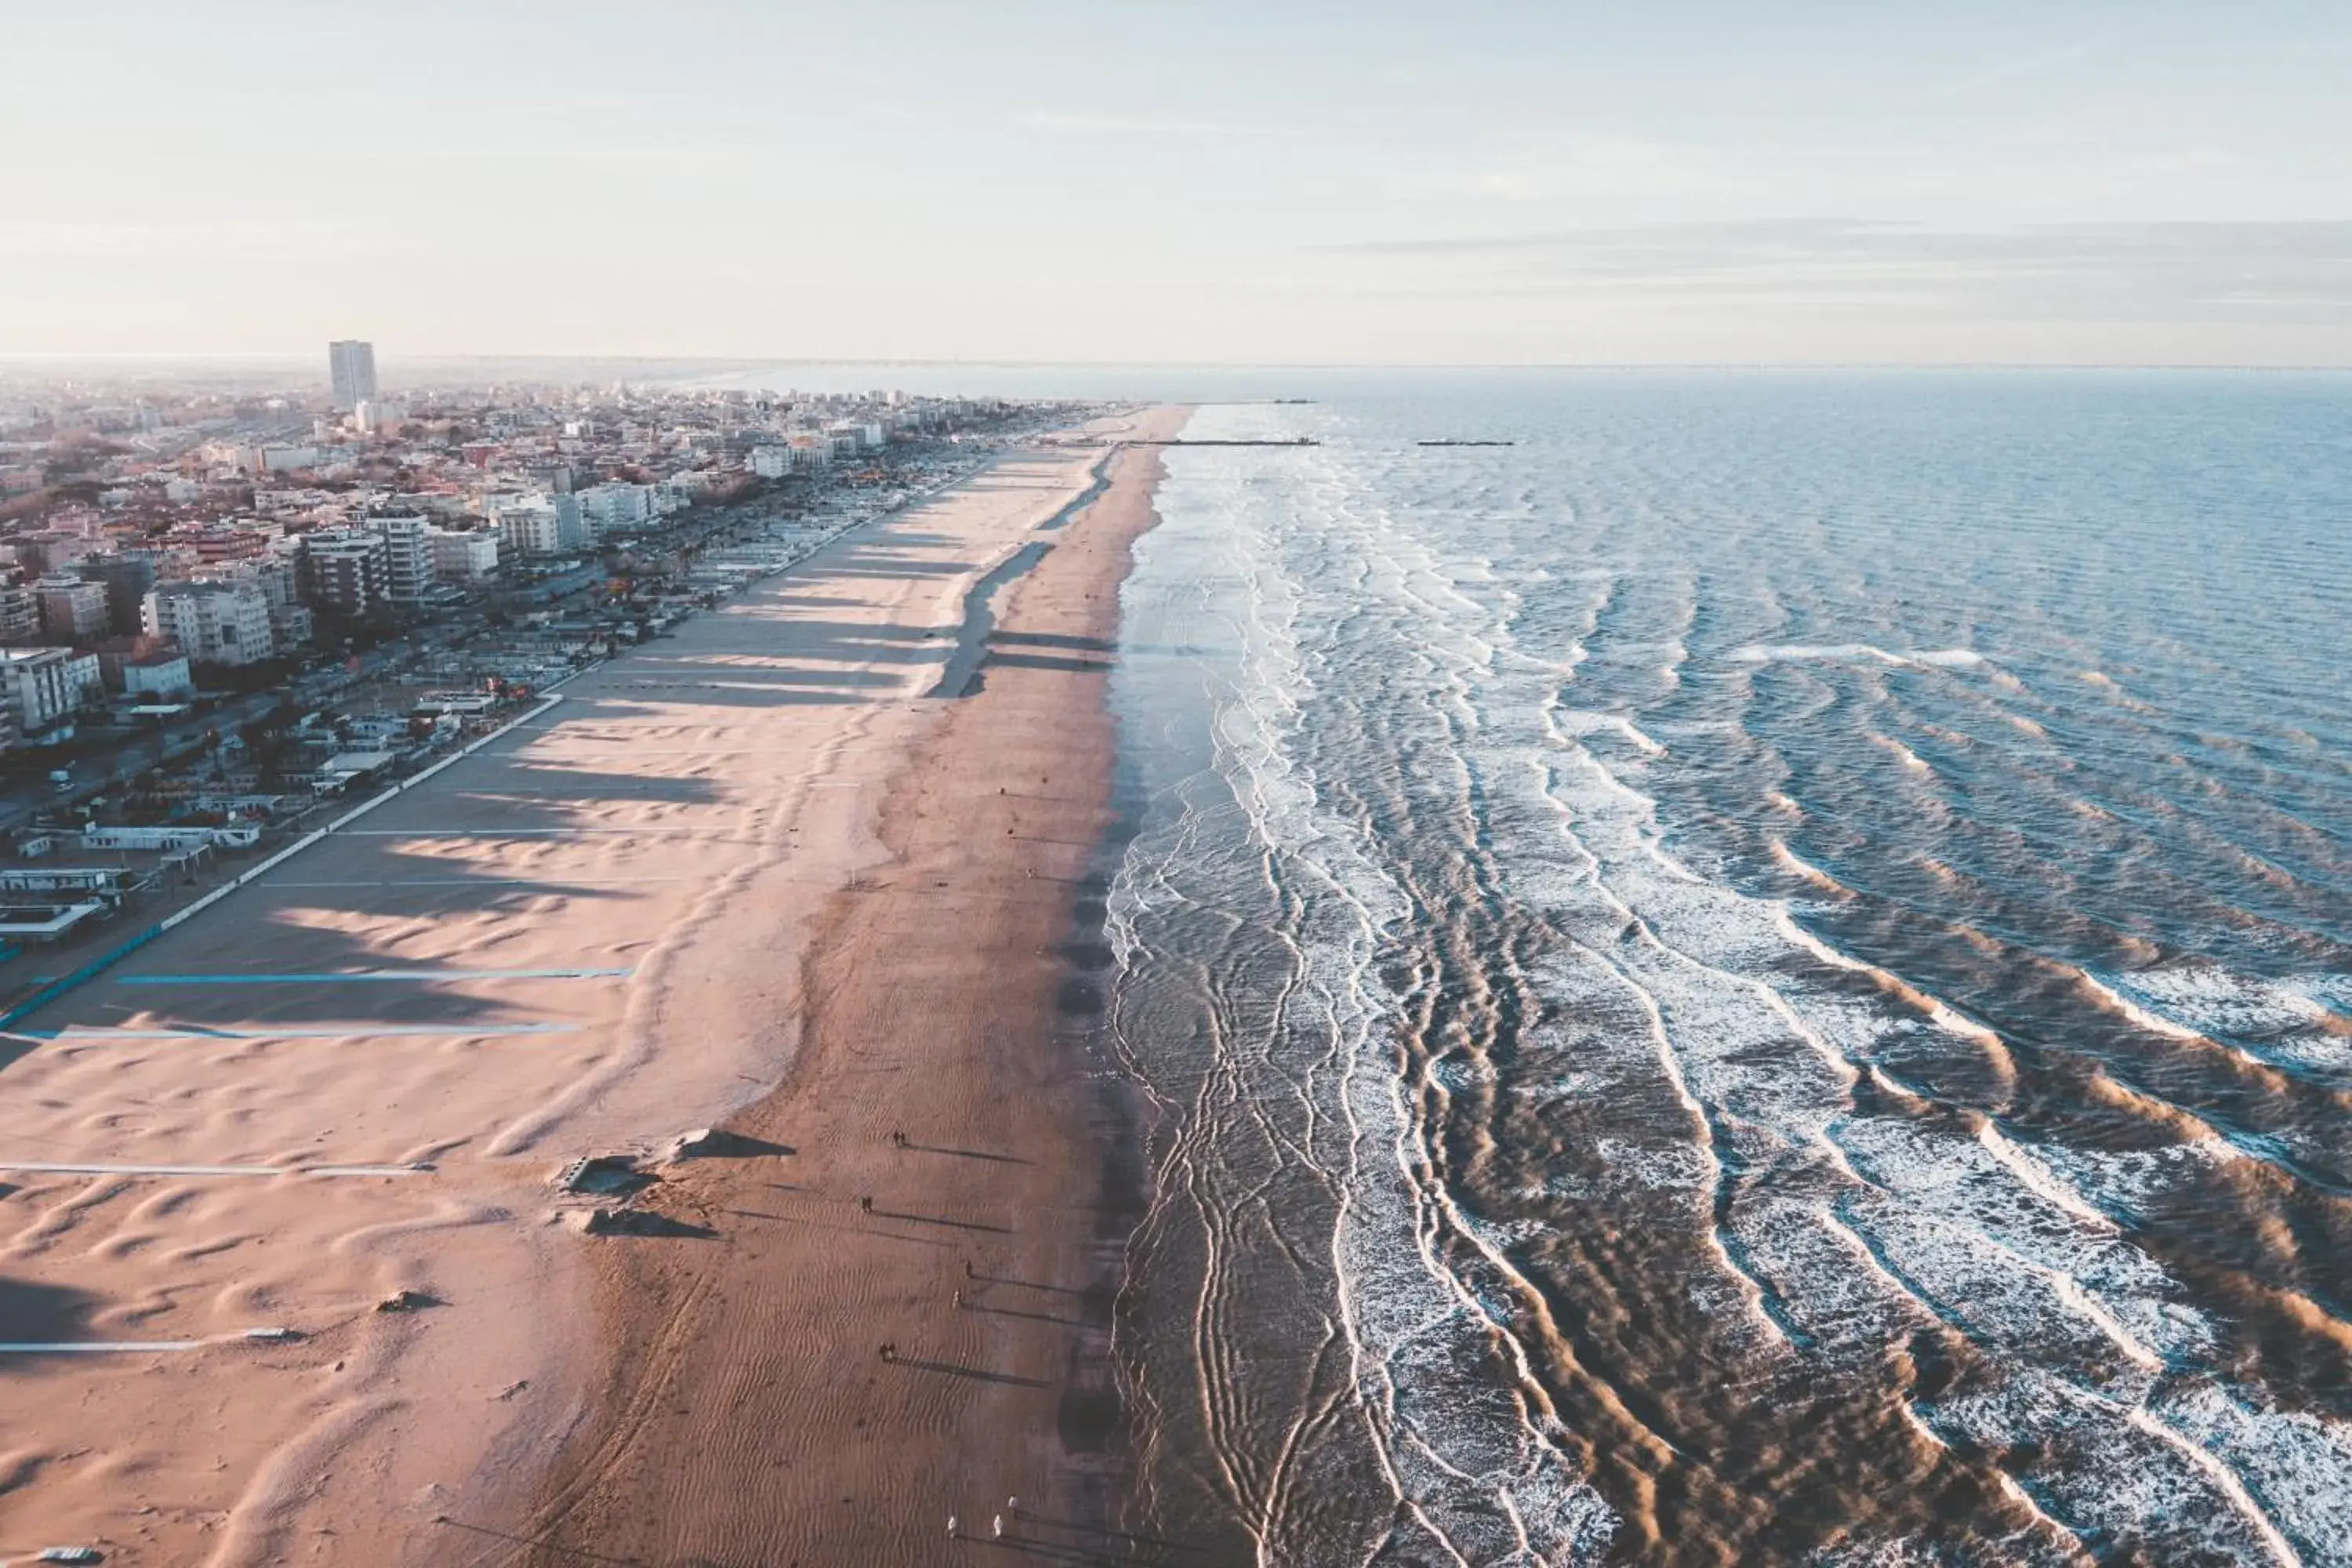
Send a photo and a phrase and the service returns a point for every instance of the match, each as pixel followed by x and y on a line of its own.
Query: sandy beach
pixel 809 871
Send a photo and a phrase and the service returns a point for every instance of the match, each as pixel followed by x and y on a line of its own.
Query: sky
pixel 1679 181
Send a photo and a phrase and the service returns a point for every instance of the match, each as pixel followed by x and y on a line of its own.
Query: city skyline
pixel 1502 185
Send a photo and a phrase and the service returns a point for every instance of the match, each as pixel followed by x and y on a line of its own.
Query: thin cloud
pixel 2092 270
pixel 2023 64
pixel 1085 123
pixel 257 240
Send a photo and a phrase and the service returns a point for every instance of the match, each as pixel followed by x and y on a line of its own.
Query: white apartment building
pixel 615 507
pixel 162 672
pixel 464 558
pixel 527 525
pixel 213 623
pixel 771 462
pixel 375 416
pixel 408 557
pixel 44 685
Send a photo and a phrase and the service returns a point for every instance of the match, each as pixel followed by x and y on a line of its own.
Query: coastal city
pixel 222 611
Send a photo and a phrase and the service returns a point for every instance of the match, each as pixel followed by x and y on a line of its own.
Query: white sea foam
pixel 2300 1024
pixel 1842 1233
pixel 1858 653
pixel 1479 1480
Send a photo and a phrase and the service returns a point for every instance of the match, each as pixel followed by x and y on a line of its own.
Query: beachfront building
pixel 72 611
pixel 46 686
pixel 616 507
pixel 464 558
pixel 527 525
pixel 224 623
pixel 346 572
pixel 138 668
pixel 351 366
pixel 407 557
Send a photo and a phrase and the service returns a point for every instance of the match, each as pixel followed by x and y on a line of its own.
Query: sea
pixel 1760 973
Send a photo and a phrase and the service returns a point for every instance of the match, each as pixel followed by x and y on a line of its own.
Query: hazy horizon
pixel 1500 184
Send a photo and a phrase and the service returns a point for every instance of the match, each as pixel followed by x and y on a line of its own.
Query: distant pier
pixel 1294 441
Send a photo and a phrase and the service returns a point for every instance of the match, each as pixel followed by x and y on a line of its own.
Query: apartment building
pixel 464 558
pixel 408 573
pixel 346 572
pixel 43 686
pixel 225 622
pixel 72 611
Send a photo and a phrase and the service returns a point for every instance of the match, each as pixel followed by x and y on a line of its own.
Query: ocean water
pixel 1762 976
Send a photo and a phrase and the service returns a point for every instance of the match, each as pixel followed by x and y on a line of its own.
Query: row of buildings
pixel 225 531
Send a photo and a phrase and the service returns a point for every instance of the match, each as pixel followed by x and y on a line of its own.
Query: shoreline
pixel 933 979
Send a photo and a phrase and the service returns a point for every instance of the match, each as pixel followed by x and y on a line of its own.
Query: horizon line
pixel 292 357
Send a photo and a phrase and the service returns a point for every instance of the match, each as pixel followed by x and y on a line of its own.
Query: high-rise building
pixel 351 366
pixel 346 572
pixel 408 557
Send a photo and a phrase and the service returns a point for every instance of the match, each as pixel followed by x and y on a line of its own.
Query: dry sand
pixel 756 854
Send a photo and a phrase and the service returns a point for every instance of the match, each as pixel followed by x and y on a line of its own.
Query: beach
pixel 812 870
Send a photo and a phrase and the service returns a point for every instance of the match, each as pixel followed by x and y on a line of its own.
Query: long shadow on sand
pixel 41 1314
pixel 966 1153
pixel 978 1373
pixel 276 931
pixel 939 1220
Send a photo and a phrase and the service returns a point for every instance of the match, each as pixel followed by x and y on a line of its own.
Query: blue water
pixel 1762 976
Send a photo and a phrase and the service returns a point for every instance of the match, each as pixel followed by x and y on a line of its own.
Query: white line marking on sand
pixel 529 832
pixel 366 974
pixel 101 1168
pixel 86 1035
pixel 95 1347
pixel 493 881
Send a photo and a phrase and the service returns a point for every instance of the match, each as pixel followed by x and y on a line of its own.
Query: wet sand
pixel 714 866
